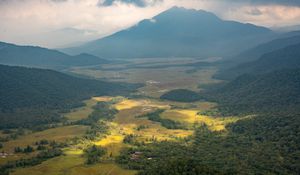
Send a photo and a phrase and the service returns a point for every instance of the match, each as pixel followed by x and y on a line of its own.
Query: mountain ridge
pixel 39 57
pixel 283 58
pixel 174 33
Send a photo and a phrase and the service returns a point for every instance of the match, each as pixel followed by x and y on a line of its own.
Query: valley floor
pixel 131 119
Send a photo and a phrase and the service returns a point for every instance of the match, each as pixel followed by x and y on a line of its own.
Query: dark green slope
pixel 177 32
pixel 27 94
pixel 256 52
pixel 274 92
pixel 286 58
pixel 30 56
pixel 181 95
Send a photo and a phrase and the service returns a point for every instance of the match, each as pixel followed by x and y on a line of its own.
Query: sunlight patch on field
pixel 127 104
pixel 102 99
pixel 73 151
pixel 145 103
pixel 191 117
pixel 110 139
pixel 159 133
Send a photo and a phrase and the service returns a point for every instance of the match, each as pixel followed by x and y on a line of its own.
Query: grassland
pixel 59 134
pixel 72 164
pixel 159 75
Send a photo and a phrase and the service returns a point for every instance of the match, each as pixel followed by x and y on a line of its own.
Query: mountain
pixel 273 92
pixel 30 56
pixel 285 58
pixel 30 96
pixel 177 32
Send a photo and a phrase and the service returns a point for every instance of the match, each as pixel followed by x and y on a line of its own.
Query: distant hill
pixel 177 32
pixel 286 58
pixel 256 52
pixel 273 92
pixel 30 56
pixel 31 96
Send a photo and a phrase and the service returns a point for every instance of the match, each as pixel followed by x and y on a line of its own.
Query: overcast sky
pixel 59 23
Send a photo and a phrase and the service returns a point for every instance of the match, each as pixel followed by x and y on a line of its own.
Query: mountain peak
pixel 183 9
pixel 176 12
pixel 175 32
pixel 176 8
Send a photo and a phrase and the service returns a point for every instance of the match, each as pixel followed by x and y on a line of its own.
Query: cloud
pixel 44 22
pixel 33 22
pixel 254 12
pixel 138 3
pixel 274 2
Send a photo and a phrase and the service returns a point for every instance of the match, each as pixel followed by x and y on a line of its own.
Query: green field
pixel 159 75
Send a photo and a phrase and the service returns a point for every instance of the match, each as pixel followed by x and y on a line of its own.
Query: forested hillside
pixel 30 56
pixel 286 58
pixel 29 95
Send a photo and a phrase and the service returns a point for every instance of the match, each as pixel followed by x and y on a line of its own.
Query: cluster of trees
pixel 167 123
pixel 40 145
pixel 94 154
pixel 102 112
pixel 181 95
pixel 27 149
pixel 130 139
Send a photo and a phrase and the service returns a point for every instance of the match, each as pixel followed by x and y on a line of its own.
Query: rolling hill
pixel 30 56
pixel 177 32
pixel 256 52
pixel 30 96
pixel 285 58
